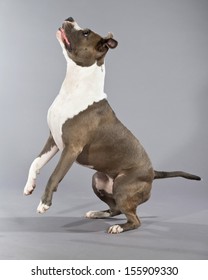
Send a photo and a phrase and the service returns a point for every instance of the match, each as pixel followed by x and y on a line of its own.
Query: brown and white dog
pixel 86 130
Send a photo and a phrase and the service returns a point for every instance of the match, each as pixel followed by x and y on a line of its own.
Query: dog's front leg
pixel 49 150
pixel 67 158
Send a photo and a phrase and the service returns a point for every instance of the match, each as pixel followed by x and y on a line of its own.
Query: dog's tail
pixel 164 174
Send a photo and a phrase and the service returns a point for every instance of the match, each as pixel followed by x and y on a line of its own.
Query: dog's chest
pixel 67 105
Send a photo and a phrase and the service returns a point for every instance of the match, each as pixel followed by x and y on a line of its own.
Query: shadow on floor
pixel 59 224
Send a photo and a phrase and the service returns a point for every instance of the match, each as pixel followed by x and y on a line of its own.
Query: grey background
pixel 156 81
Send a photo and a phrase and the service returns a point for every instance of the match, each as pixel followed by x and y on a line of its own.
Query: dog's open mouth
pixel 64 38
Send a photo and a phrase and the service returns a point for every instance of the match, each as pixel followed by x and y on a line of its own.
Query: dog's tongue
pixel 63 34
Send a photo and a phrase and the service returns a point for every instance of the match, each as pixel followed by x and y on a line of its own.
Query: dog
pixel 86 130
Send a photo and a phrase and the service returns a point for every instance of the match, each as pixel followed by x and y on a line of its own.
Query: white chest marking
pixel 81 88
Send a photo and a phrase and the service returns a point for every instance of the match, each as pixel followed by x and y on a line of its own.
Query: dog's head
pixel 83 46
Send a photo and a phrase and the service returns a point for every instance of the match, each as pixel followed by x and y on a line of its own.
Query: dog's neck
pixel 86 80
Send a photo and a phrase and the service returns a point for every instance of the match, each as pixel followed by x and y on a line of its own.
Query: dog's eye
pixel 86 32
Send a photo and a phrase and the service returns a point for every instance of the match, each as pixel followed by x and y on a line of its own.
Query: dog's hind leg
pixel 129 192
pixel 49 150
pixel 103 186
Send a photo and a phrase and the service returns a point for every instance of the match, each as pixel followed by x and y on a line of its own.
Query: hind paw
pixel 115 229
pixel 97 214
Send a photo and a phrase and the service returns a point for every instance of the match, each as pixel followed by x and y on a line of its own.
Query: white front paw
pixel 42 208
pixel 29 188
pixel 115 229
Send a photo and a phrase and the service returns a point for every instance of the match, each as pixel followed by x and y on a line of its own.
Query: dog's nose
pixel 70 19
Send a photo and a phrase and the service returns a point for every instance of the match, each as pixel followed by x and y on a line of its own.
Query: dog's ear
pixel 103 46
pixel 108 42
pixel 111 43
